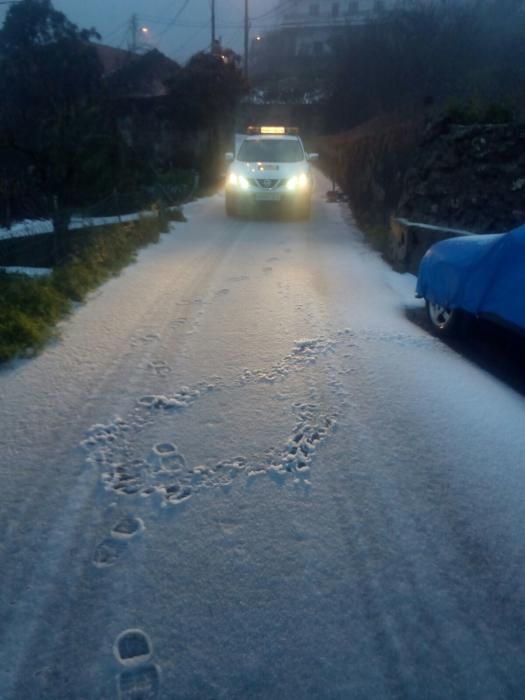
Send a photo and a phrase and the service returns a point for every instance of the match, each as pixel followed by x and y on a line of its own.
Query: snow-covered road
pixel 242 472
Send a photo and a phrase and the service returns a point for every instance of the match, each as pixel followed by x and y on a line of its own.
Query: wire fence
pixel 44 240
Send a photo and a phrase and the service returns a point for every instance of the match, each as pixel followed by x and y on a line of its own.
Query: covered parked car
pixel 482 276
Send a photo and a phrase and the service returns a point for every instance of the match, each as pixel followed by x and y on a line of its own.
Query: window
pixel 314 10
pixel 379 5
pixel 270 151
pixel 335 9
pixel 353 7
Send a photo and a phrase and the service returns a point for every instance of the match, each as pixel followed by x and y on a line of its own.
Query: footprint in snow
pixel 163 449
pixel 160 367
pixel 132 647
pixel 239 278
pixel 139 683
pixel 127 527
pixel 165 471
pixel 110 549
pixel 177 493
pixel 108 552
pixel 166 456
pixel 145 339
pixel 141 679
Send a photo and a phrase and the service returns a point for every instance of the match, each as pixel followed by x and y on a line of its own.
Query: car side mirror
pixel 313 156
pixel 228 157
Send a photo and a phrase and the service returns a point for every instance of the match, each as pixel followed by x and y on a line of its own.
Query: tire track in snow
pixel 76 511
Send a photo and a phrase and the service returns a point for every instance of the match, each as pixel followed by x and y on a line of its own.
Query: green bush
pixel 474 111
pixel 18 332
pixel 30 307
pixel 175 215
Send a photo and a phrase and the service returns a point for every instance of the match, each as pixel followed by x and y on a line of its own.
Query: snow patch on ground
pixel 30 271
pixel 36 227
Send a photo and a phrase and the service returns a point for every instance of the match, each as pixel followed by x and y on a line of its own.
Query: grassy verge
pixel 175 214
pixel 31 307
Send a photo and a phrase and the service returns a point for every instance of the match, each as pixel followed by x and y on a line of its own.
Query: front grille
pixel 269 183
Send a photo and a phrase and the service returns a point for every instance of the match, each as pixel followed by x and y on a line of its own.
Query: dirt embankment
pixel 369 164
pixel 470 177
pixel 461 176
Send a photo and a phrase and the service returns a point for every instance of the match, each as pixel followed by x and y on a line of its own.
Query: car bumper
pixel 250 199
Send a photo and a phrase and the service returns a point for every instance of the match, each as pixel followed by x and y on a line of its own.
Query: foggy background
pixel 178 28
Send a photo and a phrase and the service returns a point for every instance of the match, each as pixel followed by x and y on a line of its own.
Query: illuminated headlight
pixel 297 182
pixel 238 181
pixel 302 181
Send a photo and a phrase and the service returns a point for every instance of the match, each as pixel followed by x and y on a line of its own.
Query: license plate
pixel 268 196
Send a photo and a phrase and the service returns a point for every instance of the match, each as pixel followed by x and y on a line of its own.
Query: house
pixel 137 89
pixel 111 58
pixel 136 76
pixel 305 29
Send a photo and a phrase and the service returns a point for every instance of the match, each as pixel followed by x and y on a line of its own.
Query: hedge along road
pixel 243 473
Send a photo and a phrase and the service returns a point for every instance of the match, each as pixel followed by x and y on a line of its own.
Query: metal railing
pixel 409 240
pixel 33 242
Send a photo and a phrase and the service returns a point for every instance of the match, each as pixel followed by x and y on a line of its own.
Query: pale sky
pixel 178 37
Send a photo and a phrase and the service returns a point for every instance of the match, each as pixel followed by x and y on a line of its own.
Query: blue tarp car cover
pixel 479 274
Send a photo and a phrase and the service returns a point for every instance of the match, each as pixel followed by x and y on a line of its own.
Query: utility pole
pixel 246 37
pixel 133 26
pixel 212 24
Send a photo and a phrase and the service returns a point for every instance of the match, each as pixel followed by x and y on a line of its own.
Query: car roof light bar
pixel 273 130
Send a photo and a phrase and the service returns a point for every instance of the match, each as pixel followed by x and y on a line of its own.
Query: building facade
pixel 309 25
pixel 303 33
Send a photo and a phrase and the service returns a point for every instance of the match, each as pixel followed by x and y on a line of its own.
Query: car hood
pixel 279 171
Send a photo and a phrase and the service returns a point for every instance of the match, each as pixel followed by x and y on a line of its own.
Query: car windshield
pixel 271 151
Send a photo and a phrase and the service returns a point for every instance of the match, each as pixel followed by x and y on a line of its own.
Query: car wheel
pixel 445 322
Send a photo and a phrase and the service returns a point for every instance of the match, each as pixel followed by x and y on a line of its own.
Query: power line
pixel 116 30
pixel 237 27
pixel 166 7
pixel 192 25
pixel 172 22
pixel 190 39
pixel 187 25
pixel 280 6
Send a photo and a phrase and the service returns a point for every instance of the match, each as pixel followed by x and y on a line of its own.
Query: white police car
pixel 270 168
